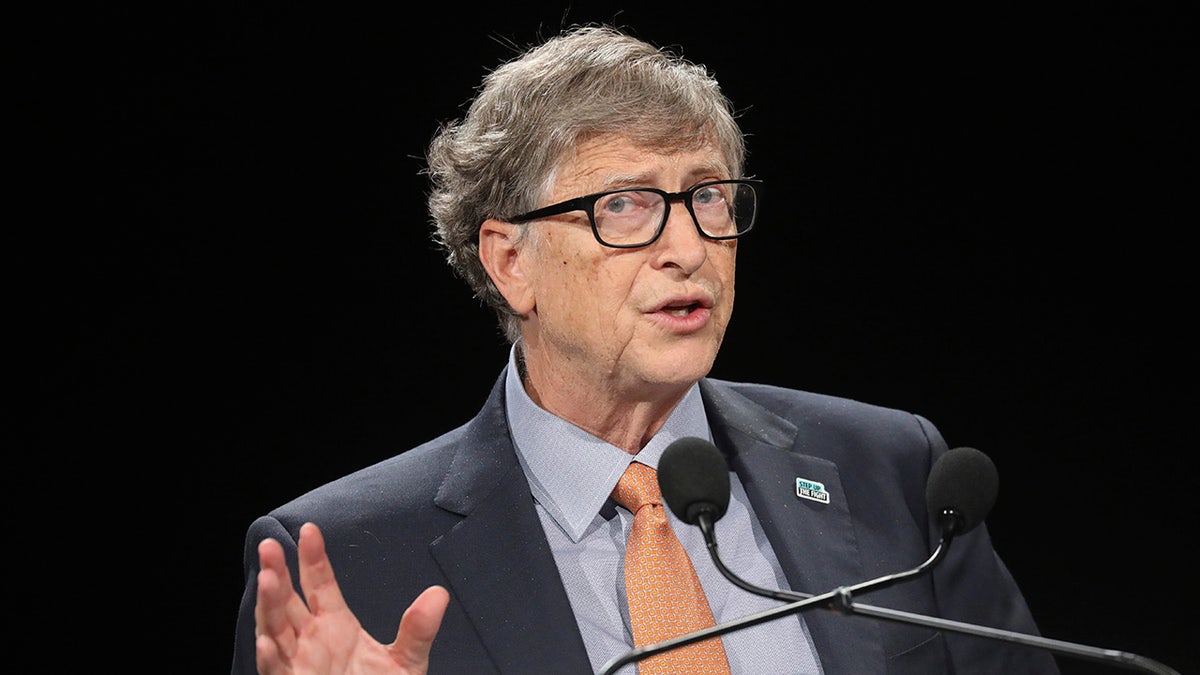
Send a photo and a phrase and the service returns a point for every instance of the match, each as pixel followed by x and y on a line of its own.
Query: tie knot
pixel 637 487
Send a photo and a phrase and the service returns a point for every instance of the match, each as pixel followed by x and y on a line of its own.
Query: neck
pixel 625 415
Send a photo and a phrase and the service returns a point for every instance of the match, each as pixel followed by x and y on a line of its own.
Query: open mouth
pixel 681 310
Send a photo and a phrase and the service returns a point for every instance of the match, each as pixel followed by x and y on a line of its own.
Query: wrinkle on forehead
pixel 587 168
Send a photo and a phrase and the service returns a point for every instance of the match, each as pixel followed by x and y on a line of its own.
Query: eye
pixel 708 196
pixel 626 203
pixel 618 203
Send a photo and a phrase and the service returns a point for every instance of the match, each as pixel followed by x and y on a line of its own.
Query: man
pixel 593 196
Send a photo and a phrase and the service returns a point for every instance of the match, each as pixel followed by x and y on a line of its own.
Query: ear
pixel 504 263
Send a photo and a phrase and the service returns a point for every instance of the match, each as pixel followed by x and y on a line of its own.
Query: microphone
pixel 694 480
pixel 960 492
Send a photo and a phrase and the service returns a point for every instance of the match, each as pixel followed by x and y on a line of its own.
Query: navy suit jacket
pixel 457 511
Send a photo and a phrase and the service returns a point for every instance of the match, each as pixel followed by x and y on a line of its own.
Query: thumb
pixel 418 627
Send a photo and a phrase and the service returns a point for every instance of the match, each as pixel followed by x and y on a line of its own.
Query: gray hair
pixel 588 81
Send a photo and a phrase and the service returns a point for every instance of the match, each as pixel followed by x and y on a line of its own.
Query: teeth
pixel 679 311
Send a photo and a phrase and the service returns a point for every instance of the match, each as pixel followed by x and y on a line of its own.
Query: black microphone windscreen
pixel 694 478
pixel 965 481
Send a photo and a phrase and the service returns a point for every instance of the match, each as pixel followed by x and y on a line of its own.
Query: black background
pixel 984 216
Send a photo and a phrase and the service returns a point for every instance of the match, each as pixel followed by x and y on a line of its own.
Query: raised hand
pixel 323 636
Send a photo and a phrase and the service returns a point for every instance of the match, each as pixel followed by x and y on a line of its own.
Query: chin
pixel 682 368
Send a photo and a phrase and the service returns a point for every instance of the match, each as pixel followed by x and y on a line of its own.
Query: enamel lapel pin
pixel 811 489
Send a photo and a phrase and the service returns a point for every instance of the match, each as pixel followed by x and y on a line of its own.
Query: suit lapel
pixel 814 541
pixel 497 560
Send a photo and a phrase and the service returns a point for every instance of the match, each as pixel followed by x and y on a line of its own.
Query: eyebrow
pixel 618 181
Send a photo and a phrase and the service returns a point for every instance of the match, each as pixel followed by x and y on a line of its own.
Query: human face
pixel 631 322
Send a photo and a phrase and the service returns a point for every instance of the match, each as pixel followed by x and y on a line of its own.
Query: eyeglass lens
pixel 634 216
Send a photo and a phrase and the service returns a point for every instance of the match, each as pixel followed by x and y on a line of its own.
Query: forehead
pixel 610 161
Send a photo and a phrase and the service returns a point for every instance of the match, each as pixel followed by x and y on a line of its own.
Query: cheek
pixel 591 273
pixel 571 284
pixel 724 261
pixel 597 297
pixel 604 287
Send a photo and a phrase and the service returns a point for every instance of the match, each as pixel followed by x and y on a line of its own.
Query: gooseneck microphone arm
pixel 705 522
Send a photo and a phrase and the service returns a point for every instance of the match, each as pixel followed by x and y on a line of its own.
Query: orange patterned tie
pixel 665 596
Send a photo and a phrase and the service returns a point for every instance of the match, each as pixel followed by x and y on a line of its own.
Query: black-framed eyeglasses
pixel 721 209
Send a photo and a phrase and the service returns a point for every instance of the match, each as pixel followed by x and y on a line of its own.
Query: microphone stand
pixel 745 622
pixel 841 599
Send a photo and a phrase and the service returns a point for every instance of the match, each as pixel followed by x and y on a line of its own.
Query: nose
pixel 681 244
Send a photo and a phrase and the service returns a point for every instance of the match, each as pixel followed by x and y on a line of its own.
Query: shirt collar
pixel 571 472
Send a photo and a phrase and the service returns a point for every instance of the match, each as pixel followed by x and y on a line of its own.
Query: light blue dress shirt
pixel 572 473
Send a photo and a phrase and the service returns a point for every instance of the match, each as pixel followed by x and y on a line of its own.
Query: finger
pixel 418 627
pixel 316 573
pixel 267 657
pixel 279 612
pixel 269 602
